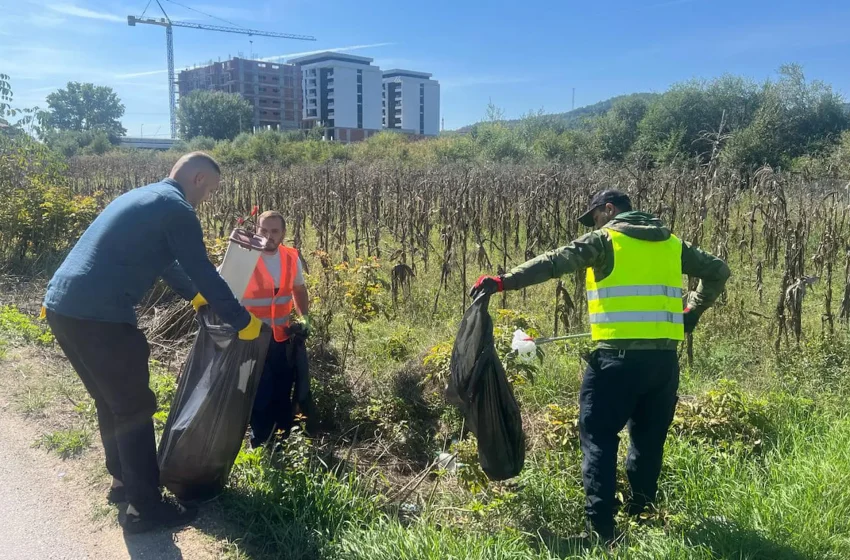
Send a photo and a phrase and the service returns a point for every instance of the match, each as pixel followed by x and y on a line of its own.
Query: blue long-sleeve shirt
pixel 147 233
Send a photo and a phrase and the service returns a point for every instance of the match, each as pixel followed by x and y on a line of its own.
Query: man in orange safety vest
pixel 276 286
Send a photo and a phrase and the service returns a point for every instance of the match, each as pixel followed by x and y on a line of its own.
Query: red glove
pixel 487 285
pixel 690 319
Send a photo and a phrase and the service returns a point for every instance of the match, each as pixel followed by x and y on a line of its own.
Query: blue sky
pixel 524 56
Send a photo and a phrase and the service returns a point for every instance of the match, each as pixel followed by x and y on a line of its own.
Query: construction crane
pixel 169 41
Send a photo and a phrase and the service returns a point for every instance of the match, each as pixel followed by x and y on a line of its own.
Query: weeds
pixel 33 402
pixel 19 327
pixel 66 443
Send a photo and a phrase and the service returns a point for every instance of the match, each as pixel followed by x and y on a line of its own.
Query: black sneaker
pixel 601 533
pixel 633 509
pixel 116 495
pixel 162 515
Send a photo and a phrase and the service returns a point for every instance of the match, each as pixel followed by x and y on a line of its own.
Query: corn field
pixel 786 234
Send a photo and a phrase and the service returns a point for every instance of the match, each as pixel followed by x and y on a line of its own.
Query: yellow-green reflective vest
pixel 642 297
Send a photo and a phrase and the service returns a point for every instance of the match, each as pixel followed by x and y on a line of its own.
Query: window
pixel 261 65
pixel 289 115
pixel 275 67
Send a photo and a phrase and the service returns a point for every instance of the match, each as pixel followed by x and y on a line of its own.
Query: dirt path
pixel 49 509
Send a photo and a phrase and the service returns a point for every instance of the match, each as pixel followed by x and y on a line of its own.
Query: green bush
pixel 41 215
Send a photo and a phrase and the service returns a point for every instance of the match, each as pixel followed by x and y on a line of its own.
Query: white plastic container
pixel 240 260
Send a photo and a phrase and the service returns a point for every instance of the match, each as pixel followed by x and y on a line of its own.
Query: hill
pixel 574 118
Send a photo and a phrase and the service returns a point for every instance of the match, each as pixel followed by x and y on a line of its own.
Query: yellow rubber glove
pixel 252 331
pixel 198 302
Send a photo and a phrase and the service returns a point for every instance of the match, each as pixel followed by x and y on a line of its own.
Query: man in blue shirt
pixel 147 233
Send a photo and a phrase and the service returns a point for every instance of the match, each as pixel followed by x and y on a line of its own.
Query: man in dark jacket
pixel 144 234
pixel 634 292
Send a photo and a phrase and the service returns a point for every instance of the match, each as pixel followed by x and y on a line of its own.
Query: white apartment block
pixel 411 102
pixel 341 92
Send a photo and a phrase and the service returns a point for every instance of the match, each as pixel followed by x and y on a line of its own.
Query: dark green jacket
pixel 594 250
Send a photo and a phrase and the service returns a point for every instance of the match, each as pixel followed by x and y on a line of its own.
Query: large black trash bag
pixel 479 387
pixel 210 412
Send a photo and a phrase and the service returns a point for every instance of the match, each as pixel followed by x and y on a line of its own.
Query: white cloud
pixel 72 10
pixel 266 59
pixel 140 74
pixel 334 49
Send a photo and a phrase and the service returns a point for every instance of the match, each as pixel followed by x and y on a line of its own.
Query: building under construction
pixel 273 89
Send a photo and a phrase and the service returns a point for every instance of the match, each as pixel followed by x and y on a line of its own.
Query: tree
pixel 617 130
pixel 218 115
pixel 25 117
pixel 85 107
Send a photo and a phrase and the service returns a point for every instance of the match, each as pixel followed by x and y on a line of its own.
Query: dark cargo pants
pixel 111 360
pixel 273 403
pixel 635 388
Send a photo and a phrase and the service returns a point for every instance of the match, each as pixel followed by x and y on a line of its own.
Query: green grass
pixel 67 443
pixel 33 402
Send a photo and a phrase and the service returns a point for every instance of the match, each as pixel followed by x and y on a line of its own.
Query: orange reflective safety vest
pixel 274 308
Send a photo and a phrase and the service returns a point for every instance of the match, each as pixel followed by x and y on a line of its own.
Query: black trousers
pixel 273 403
pixel 635 388
pixel 111 359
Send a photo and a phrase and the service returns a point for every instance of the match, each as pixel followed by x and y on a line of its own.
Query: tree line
pixel 785 121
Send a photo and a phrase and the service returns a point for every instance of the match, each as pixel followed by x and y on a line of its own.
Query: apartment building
pixel 342 93
pixel 273 89
pixel 411 102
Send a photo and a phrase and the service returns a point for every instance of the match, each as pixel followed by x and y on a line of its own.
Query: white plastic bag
pixel 523 345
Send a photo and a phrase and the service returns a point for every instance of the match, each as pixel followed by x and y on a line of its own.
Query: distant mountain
pixel 574 118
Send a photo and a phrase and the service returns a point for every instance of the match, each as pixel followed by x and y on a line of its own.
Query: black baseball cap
pixel 615 197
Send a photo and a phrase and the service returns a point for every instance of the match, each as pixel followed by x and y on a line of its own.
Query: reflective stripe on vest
pixel 642 296
pixel 259 302
pixel 277 320
pixel 637 317
pixel 260 298
pixel 622 291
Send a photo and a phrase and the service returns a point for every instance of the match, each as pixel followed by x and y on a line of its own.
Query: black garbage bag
pixel 210 412
pixel 479 387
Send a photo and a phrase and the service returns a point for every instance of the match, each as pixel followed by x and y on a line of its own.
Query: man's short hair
pixel 203 157
pixel 273 214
